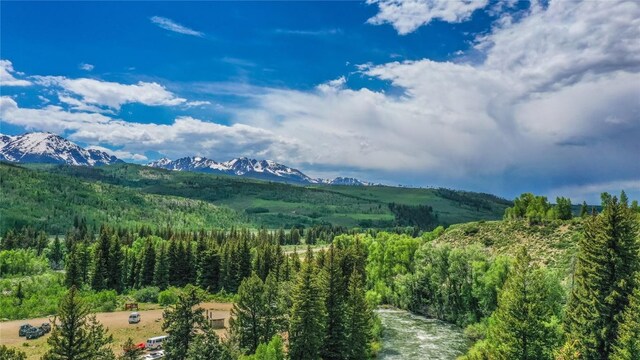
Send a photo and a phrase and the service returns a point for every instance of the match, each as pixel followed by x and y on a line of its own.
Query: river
pixel 408 336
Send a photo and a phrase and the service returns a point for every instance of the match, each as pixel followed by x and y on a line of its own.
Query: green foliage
pixel 604 279
pixel 148 294
pixel 389 256
pixel 182 322
pixel 102 301
pixel 274 350
pixel 627 346
pixel 524 326
pixel 130 351
pixel 169 296
pixel 11 354
pixel 458 285
pixel 41 294
pixel 307 321
pixel 336 343
pixel 79 336
pixel 359 320
pixel 22 262
pixel 49 201
pixel 207 346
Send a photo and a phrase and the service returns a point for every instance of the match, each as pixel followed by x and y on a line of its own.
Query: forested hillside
pixel 51 194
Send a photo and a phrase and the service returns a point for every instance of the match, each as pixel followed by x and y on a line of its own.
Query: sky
pixel 500 96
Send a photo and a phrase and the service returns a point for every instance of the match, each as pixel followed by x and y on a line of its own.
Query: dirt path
pixel 117 323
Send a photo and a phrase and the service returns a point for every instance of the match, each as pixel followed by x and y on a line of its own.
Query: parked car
pixel 156 342
pixel 154 355
pixel 134 318
pixel 24 328
pixel 34 333
pixel 46 327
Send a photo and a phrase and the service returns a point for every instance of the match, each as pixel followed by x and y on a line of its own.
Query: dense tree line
pixel 536 209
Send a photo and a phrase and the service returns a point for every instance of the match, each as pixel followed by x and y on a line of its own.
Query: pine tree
pixel 336 342
pixel 73 275
pixel 161 269
pixel 627 346
pixel 359 320
pixel 182 322
pixel 148 264
pixel 114 281
pixel 101 261
pixel 19 293
pixel 520 327
pixel 248 314
pixel 306 327
pixel 173 255
pixel 607 259
pixel 275 319
pixel 79 336
pixel 207 346
pixel 209 270
pixel 584 210
pixel 57 254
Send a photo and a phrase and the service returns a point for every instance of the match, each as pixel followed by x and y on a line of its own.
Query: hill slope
pixel 261 203
pixel 50 202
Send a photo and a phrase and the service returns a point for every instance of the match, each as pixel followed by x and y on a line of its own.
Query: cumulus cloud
pixel 171 25
pixel 6 75
pixel 555 99
pixel 185 136
pixel 408 15
pixel 113 94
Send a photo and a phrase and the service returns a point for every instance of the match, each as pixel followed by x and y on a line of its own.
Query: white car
pixel 134 318
pixel 153 355
pixel 156 342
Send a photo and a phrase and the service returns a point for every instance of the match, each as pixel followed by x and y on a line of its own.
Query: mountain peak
pixel 45 147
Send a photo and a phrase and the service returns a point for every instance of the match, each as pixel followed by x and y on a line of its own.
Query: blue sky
pixel 499 96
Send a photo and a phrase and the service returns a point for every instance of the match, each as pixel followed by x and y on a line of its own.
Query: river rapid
pixel 407 336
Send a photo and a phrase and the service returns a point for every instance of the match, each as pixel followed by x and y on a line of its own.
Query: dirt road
pixel 117 323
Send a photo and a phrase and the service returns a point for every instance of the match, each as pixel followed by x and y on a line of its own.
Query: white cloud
pixel 124 155
pixel 408 15
pixel 6 75
pixel 86 67
pixel 113 94
pixel 197 103
pixel 185 136
pixel 171 25
pixel 591 192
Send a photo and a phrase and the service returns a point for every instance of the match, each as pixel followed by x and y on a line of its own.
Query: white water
pixel 408 336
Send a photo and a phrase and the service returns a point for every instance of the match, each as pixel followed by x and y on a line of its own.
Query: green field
pixel 49 196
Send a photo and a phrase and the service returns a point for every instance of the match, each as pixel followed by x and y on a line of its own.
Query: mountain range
pixel 40 147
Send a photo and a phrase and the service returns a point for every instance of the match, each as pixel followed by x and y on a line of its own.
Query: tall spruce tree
pixel 520 328
pixel 56 255
pixel 359 320
pixel 182 322
pixel 604 279
pixel 73 274
pixel 627 346
pixel 306 327
pixel 114 280
pixel 336 342
pixel 161 269
pixel 148 264
pixel 248 314
pixel 79 336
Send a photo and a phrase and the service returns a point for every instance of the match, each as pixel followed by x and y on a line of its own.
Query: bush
pixel 103 301
pixel 147 294
pixel 168 297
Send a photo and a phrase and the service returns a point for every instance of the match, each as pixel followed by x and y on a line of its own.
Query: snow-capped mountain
pixel 40 147
pixel 257 169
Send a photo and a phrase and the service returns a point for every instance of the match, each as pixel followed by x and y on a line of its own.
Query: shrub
pixel 147 294
pixel 168 297
pixel 103 301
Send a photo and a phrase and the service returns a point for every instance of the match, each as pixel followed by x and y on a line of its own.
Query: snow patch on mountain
pixel 42 147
